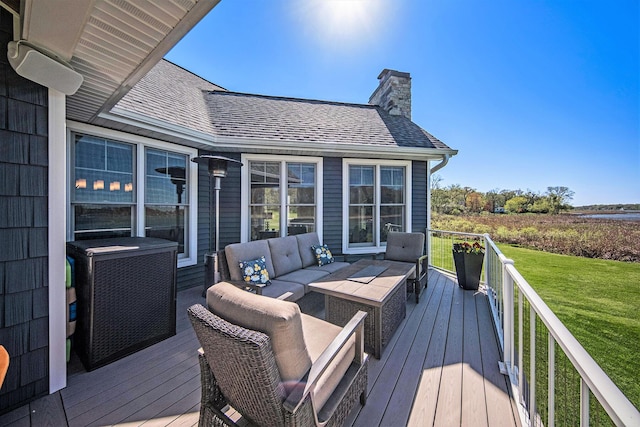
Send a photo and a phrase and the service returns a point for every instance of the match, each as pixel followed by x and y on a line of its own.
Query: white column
pixel 57 242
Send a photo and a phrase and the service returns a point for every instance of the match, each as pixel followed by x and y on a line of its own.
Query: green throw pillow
pixel 255 271
pixel 323 254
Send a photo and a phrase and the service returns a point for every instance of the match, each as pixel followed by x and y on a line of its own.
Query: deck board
pixel 473 410
pixel 440 368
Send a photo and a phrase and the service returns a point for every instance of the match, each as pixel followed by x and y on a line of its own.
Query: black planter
pixel 468 269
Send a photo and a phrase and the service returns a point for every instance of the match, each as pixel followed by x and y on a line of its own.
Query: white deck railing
pixel 552 376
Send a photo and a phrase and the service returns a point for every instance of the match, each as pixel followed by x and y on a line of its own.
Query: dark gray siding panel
pixel 419 195
pixel 24 311
pixel 332 201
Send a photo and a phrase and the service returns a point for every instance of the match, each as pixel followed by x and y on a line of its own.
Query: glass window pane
pixel 363 195
pixel 96 221
pixel 103 172
pixel 301 220
pixel 265 222
pixel 90 152
pixel 361 189
pixel 392 185
pixel 166 222
pixel 119 157
pixel 361 225
pixel 265 195
pixel 391 219
pixel 166 177
pixel 303 196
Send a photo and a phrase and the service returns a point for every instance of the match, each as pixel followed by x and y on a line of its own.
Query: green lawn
pixel 598 301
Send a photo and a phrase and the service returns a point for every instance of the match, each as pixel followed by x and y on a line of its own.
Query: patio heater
pixel 217 166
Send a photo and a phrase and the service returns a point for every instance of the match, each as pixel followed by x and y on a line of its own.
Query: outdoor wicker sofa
pixel 274 365
pixel 290 261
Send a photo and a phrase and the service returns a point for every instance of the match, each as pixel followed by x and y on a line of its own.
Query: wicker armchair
pixel 409 247
pixel 270 377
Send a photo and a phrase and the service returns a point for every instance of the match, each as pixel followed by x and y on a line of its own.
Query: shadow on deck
pixel 440 368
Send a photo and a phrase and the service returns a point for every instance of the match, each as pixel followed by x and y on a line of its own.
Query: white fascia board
pixel 155 125
pixel 317 148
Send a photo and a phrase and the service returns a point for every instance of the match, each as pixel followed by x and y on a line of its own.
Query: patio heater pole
pixel 217 166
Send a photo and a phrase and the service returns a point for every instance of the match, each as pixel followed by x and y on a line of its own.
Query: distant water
pixel 630 216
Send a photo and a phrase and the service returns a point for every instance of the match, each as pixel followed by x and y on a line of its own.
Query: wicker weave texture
pixel 243 374
pixel 128 294
pixel 380 323
pixel 243 364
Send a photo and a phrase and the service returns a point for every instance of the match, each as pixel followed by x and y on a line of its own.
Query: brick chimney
pixel 393 93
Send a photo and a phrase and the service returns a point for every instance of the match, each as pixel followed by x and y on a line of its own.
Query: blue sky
pixel 532 93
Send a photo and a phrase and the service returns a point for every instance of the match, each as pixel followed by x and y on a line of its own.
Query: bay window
pixel 376 201
pixel 124 185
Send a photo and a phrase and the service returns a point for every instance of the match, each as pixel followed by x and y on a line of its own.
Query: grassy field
pixel 562 234
pixel 598 301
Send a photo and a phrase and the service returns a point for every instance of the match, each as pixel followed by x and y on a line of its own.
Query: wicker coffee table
pixel 377 287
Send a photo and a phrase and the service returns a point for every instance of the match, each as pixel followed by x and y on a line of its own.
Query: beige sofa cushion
pixel 280 320
pixel 238 252
pixel 318 335
pixel 285 255
pixel 307 255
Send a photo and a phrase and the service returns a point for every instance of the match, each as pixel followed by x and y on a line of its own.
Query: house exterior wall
pixel 419 191
pixel 24 318
pixel 332 211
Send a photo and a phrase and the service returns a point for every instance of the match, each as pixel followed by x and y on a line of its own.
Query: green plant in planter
pixel 468 259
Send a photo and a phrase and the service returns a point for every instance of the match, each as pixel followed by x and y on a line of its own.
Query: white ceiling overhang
pixel 111 43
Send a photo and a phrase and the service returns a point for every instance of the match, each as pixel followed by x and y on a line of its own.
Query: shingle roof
pixel 174 95
pixel 292 119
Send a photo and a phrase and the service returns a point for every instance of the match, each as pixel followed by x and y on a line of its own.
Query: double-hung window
pixel 282 196
pixel 376 200
pixel 123 186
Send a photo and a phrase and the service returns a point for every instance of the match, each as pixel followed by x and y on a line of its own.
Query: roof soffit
pixel 112 43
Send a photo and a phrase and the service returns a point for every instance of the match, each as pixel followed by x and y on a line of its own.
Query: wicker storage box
pixel 126 289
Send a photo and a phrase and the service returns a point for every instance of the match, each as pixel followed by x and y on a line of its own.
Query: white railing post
pixel 507 304
pixel 532 366
pixel 551 375
pixel 584 403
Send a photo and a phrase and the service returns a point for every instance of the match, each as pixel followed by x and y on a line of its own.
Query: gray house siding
pixel 332 204
pixel 24 313
pixel 419 196
pixel 229 219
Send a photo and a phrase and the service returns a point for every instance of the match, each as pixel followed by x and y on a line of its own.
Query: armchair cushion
pixel 318 335
pixel 280 320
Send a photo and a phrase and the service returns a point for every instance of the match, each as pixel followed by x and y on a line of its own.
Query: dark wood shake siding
pixel 24 311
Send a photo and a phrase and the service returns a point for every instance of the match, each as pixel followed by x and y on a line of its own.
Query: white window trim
pixel 245 182
pixel 377 247
pixel 141 142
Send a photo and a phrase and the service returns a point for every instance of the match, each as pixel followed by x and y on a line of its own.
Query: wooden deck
pixel 441 368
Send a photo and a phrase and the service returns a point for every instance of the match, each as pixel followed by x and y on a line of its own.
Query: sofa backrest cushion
pixel 285 254
pixel 280 320
pixel 305 241
pixel 238 252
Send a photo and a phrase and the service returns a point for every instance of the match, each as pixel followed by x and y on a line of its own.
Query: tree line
pixel 455 200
